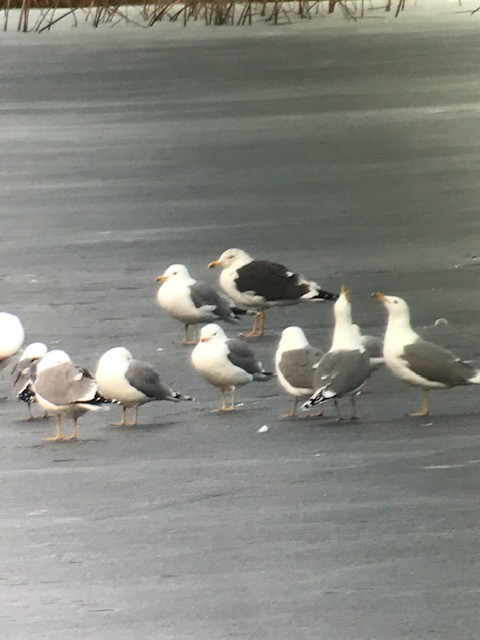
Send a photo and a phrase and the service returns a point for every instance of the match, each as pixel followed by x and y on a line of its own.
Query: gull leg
pixel 74 435
pixel 425 406
pixel 354 408
pixel 231 406
pixel 262 322
pixel 30 414
pixel 59 435
pixel 122 422
pixel 256 330
pixel 187 340
pixel 340 417
pixel 293 412
pixel 224 406
pixel 135 417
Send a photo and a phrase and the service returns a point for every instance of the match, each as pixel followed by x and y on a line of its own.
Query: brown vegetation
pixel 40 15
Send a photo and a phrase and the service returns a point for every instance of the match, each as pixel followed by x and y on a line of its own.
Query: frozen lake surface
pixel 351 154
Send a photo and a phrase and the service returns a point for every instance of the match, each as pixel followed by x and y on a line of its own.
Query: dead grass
pixel 41 15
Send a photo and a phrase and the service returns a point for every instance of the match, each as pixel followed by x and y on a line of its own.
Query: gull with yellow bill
pixel 418 362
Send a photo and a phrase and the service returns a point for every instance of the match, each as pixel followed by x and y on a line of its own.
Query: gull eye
pixel 395 302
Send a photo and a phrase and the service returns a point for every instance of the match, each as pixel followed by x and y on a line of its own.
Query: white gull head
pixel 52 359
pixel 175 271
pixel 34 350
pixel 231 259
pixel 292 338
pixel 212 331
pixel 344 335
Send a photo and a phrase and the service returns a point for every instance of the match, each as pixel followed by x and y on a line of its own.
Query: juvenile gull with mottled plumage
pixel 191 301
pixel 346 366
pixel 226 363
pixel 418 362
pixel 295 360
pixel 261 284
pixel 131 382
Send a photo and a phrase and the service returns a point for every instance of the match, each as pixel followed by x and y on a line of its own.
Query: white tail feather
pixel 476 378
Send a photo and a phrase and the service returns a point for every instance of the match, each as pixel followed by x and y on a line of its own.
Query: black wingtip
pixel 180 396
pixel 307 405
pixel 99 399
pixel 327 295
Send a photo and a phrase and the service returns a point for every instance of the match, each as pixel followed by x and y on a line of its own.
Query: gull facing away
pixel 131 383
pixel 261 284
pixel 12 336
pixel 295 362
pixel 418 362
pixel 24 373
pixel 346 366
pixel 191 301
pixel 226 363
pixel 65 389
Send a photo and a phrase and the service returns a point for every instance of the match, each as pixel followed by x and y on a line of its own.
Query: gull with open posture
pixel 418 362
pixel 191 301
pixel 226 363
pixel 345 367
pixel 64 389
pixel 295 362
pixel 131 382
pixel 260 284
pixel 24 373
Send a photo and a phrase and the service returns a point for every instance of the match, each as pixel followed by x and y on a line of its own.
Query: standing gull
pixel 226 363
pixel 191 301
pixel 418 362
pixel 24 373
pixel 65 389
pixel 261 284
pixel 131 382
pixel 345 367
pixel 295 360
pixel 12 336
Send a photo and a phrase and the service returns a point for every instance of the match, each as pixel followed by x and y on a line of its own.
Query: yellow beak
pixel 344 289
pixel 161 278
pixel 379 296
pixel 214 263
pixel 204 339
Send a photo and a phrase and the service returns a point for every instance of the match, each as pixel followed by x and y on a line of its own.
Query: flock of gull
pixel 248 286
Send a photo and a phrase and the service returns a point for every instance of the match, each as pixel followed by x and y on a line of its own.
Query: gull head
pixel 117 355
pixel 231 258
pixel 293 338
pixel 342 306
pixel 395 306
pixel 52 359
pixel 179 271
pixel 34 350
pixel 212 331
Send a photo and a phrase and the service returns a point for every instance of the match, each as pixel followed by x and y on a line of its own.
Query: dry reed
pixel 41 15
